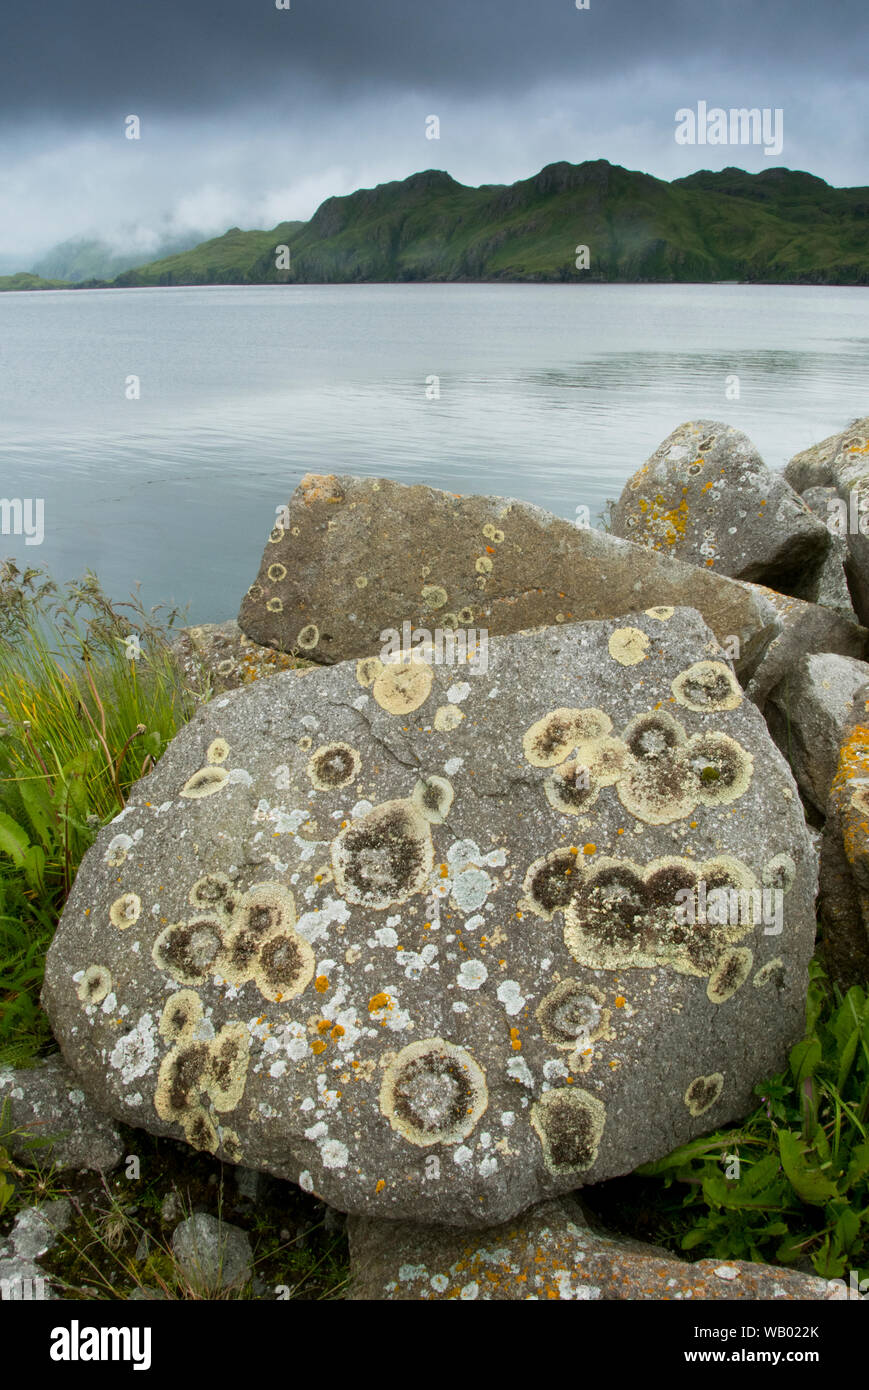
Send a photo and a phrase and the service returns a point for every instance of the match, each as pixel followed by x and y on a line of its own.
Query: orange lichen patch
pixel 321 984
pixel 318 1046
pixel 515 1041
pixel 379 1186
pixel 378 1002
pixel 320 487
pixel 620 1001
pixel 337 1032
pixel 323 1025
pixel 589 849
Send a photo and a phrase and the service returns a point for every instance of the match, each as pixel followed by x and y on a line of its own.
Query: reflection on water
pixel 550 393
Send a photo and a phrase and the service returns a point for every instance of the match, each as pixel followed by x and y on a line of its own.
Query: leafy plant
pixel 791 1186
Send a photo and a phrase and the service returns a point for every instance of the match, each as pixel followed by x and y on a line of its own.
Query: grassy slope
pixel 776 226
pixel 24 280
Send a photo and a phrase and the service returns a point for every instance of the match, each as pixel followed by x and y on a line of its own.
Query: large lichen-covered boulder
pixel 843 900
pixel 551 1253
pixel 419 936
pixel 706 495
pixel 352 557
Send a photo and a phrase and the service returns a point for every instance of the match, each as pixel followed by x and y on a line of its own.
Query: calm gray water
pixel 551 393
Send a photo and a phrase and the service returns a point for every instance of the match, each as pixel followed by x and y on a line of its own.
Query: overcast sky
pixel 251 115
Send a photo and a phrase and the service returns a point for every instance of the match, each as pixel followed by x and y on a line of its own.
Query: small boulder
pixel 706 496
pixel 549 1253
pixel 47 1103
pixel 843 896
pixel 807 715
pixel 842 462
pixel 212 1254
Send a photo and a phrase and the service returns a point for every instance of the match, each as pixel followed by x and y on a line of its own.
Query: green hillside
pixel 774 226
pixel 230 259
pixel 779 226
pixel 24 280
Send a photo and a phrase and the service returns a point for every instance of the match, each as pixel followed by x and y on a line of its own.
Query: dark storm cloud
pixel 88 60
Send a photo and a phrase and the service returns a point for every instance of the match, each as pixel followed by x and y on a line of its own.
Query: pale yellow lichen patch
pixel 628 646
pixel 768 972
pixel 277 572
pixel 181 1014
pixel 483 564
pixel 434 596
pixel 730 975
pixel 189 951
pixel 433 1093
pixel 308 637
pixel 205 782
pixel 569 1123
pixel 707 687
pixel 274 605
pixel 283 967
pixel 218 751
pixel 125 910
pixel 384 857
pixel 361 581
pixel 571 789
pixel 550 740
pixel 493 533
pixel 662 614
pixel 94 984
pixel 573 1015
pixel 368 669
pixel 333 765
pixel 403 686
pixel 433 796
pixel 213 892
pixel 550 882
pixel 447 718
pixel 703 1092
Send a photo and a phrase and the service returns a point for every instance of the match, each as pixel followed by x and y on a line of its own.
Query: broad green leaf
pixel 13 839
pixel 807 1180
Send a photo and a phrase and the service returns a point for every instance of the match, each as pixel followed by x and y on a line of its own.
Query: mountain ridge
pixel 778 226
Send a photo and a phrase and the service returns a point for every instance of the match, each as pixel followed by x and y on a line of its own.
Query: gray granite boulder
pixel 705 495
pixel 843 894
pixel 807 715
pixel 47 1103
pixel 842 462
pixel 550 1253
pixel 827 584
pixel 34 1232
pixel 353 557
pixel 417 935
pixel 212 1255
pixel 357 557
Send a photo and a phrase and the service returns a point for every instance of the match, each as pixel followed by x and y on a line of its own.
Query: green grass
pixel 80 722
